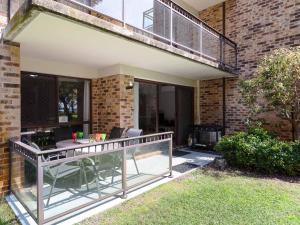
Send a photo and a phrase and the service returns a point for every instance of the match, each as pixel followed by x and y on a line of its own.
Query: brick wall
pixel 112 103
pixel 9 106
pixel 257 27
pixel 211 101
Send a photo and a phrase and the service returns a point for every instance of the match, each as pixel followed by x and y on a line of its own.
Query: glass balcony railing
pixel 54 183
pixel 165 21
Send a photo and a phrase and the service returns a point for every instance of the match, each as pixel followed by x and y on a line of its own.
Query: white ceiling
pixel 202 4
pixel 54 38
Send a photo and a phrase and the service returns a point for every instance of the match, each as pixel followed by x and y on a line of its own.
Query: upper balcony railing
pixel 165 21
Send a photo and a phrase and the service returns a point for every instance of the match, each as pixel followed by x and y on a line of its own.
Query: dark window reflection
pixel 148 107
pixel 38 100
pixel 70 100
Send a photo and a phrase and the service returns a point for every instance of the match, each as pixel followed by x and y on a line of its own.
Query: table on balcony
pixel 70 143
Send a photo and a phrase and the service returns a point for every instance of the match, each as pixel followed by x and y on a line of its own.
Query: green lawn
pixel 204 197
pixel 210 197
pixel 7 216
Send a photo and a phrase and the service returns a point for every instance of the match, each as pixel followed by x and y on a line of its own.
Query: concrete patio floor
pixel 186 162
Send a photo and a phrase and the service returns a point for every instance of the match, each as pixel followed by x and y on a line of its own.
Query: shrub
pixel 257 150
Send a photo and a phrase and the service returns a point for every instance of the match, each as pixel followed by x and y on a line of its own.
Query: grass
pixel 203 197
pixel 210 197
pixel 7 216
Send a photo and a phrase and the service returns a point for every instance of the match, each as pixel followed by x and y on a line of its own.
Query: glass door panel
pixel 166 110
pixel 148 107
pixel 184 113
pixel 162 108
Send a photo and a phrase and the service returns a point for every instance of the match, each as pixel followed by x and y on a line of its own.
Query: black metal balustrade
pixel 165 21
pixel 52 183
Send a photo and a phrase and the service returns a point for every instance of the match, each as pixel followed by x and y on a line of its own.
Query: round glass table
pixel 71 143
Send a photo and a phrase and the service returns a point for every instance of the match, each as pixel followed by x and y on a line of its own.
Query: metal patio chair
pixel 110 164
pixel 116 133
pixel 62 171
pixel 101 165
pixel 130 133
pixel 58 172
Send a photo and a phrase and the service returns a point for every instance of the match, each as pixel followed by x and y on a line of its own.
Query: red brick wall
pixel 211 103
pixel 257 27
pixel 213 16
pixel 112 103
pixel 9 106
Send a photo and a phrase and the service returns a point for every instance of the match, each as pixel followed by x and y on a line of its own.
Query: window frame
pixel 57 124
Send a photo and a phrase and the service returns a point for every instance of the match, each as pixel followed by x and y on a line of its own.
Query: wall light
pixel 130 85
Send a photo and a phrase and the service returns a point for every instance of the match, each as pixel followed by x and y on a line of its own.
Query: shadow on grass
pixel 213 171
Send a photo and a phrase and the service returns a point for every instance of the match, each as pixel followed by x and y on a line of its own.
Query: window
pixel 38 100
pixel 70 100
pixel 53 101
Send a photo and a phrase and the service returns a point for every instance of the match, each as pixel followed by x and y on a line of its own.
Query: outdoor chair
pixel 102 166
pixel 62 172
pixel 62 133
pixel 59 172
pixel 110 164
pixel 116 133
pixel 130 133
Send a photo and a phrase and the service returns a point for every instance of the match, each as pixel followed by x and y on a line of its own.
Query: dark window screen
pixel 38 100
pixel 184 110
pixel 148 107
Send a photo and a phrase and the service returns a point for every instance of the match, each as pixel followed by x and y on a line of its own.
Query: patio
pixel 53 183
pixel 184 163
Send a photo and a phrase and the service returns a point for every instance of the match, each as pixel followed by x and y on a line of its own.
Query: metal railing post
pixel 123 12
pixel 171 157
pixel 236 56
pixel 11 149
pixel 201 36
pixel 221 51
pixel 171 25
pixel 124 171
pixel 40 183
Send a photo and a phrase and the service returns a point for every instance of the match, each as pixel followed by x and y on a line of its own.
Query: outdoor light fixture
pixel 130 85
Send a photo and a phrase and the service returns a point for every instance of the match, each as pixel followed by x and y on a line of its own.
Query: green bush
pixel 257 150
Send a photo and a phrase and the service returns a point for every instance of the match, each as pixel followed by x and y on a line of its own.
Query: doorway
pixel 161 107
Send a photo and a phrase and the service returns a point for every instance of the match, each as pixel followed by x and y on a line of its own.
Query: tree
pixel 276 86
pixel 68 98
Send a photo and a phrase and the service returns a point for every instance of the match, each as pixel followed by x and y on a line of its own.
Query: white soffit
pixel 54 38
pixel 202 4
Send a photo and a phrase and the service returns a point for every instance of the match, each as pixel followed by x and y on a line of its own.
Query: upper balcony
pixel 159 23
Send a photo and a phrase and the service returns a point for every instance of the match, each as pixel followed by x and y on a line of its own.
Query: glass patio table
pixel 69 143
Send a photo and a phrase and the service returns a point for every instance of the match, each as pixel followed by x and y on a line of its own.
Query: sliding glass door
pixel 184 113
pixel 160 107
pixel 166 108
pixel 148 112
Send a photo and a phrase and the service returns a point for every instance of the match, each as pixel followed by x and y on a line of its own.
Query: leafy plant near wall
pixel 257 150
pixel 276 87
